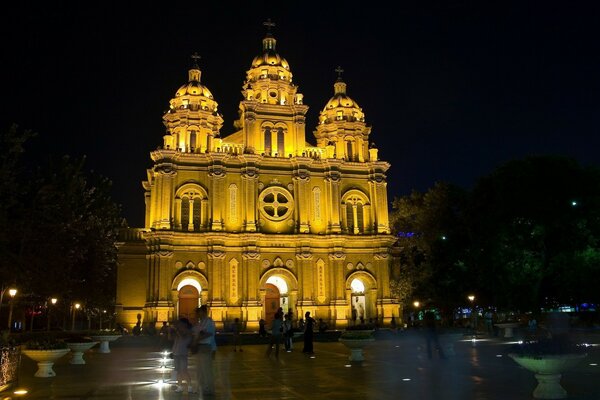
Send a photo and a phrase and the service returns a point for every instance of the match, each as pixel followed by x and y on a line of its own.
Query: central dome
pixel 269 56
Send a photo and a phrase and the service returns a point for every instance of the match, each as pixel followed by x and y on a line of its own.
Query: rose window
pixel 275 203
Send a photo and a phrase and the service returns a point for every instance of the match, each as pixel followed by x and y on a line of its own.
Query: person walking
pixel 431 335
pixel 182 337
pixel 237 327
pixel 308 333
pixel 204 339
pixel 276 331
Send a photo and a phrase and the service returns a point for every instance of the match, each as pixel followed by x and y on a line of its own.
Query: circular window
pixel 275 203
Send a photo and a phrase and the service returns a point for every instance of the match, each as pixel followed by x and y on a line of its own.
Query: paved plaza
pixel 396 367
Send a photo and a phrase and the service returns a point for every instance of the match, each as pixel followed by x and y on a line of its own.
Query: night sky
pixel 452 89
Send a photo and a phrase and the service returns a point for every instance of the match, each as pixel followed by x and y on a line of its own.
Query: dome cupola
pixel 192 119
pixel 342 124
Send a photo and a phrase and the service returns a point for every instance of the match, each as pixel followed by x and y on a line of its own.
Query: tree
pixel 431 246
pixel 535 224
pixel 58 228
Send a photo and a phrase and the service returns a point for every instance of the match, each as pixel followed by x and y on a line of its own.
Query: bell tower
pixel 342 128
pixel 192 121
pixel 272 113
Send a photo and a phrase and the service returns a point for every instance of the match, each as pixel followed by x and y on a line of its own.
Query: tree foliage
pixel 528 231
pixel 60 230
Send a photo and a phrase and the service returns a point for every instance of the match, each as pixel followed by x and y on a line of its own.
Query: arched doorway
pixel 272 300
pixel 359 309
pixel 188 302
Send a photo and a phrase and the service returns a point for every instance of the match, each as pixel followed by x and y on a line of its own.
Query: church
pixel 260 219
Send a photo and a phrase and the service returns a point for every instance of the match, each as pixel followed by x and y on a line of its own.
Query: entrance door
pixel 271 302
pixel 188 302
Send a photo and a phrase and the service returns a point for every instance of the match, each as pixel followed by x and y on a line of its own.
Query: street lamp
pixel 13 293
pixel 53 301
pixel 471 298
pixel 76 307
pixel 415 314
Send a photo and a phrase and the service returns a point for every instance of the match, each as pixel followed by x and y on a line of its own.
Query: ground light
pixel 20 392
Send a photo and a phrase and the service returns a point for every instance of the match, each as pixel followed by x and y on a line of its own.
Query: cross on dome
pixel 269 25
pixel 196 57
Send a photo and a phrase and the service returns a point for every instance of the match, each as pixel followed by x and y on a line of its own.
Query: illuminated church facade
pixel 261 219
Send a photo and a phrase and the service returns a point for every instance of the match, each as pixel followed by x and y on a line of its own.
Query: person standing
pixel 276 331
pixel 308 333
pixel 182 337
pixel 204 338
pixel 288 333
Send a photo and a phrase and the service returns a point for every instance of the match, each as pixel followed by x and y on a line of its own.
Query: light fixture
pixel 12 292
pixel 53 300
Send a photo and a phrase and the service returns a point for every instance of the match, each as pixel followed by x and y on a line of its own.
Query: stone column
pixel 301 179
pixel 190 226
pixel 251 305
pixel 307 282
pixel 339 303
pixel 216 174
pixel 249 193
pixel 333 180
pixel 216 267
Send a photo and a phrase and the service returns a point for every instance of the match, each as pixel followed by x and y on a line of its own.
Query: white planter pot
pixel 356 346
pixel 508 328
pixel 78 349
pixel 548 370
pixel 104 340
pixel 45 360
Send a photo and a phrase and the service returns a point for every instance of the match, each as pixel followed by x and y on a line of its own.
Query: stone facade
pixel 260 219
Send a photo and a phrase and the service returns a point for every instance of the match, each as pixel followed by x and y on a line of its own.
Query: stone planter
pixel 548 369
pixel 356 346
pixel 78 349
pixel 508 328
pixel 45 360
pixel 104 340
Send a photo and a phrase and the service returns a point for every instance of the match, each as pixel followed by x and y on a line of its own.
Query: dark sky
pixel 451 88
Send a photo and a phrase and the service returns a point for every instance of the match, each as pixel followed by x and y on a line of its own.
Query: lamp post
pixel 53 301
pixel 76 307
pixel 13 293
pixel 417 304
pixel 471 298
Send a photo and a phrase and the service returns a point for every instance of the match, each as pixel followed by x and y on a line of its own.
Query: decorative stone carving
pixel 349 266
pixel 261 186
pixel 201 265
pixel 251 255
pixel 265 263
pixel 289 263
pixel 337 255
pixel 290 187
pixel 216 254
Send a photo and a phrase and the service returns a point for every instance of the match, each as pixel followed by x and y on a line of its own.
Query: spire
pixel 194 72
pixel 339 87
pixel 269 41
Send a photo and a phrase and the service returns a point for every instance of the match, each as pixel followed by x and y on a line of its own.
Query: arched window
pixel 185 212
pixel 191 207
pixel 268 140
pixel 349 153
pixel 192 141
pixel 355 203
pixel 280 143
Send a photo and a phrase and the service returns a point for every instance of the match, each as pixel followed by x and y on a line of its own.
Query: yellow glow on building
pixel 231 220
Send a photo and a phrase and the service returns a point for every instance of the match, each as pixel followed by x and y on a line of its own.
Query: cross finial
pixel 195 57
pixel 339 71
pixel 269 25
